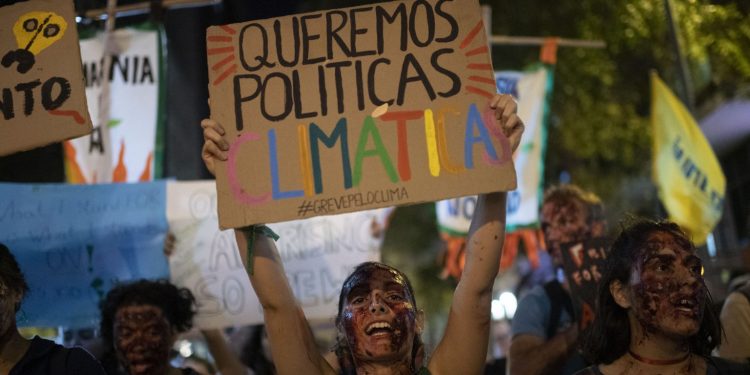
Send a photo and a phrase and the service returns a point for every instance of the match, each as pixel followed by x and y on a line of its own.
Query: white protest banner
pixel 134 75
pixel 531 90
pixel 318 254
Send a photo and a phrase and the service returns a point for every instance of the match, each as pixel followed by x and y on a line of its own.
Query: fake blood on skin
pixel 356 317
pixel 142 338
pixel 662 287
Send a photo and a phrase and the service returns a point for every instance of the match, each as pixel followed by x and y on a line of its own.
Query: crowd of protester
pixel 653 312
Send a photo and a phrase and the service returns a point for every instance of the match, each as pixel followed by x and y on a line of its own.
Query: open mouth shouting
pixel 379 329
pixel 687 306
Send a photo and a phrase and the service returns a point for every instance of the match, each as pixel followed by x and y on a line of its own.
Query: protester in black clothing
pixel 19 356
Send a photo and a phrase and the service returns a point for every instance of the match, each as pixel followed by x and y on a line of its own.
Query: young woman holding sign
pixel 378 320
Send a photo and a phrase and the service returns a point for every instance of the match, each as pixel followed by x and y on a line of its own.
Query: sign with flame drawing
pixel 42 98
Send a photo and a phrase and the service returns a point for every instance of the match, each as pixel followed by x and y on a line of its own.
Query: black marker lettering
pixel 47 101
pixel 452 21
pixel 239 99
pixel 383 17
pixel 307 38
pixel 28 95
pixel 262 59
pixel 374 99
pixel 410 60
pixel 297 87
pixel 278 34
pixel 456 87
pixel 287 97
pixel 354 31
pixel 413 23
pixel 333 33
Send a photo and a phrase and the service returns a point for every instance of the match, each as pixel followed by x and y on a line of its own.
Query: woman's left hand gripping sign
pixel 34 32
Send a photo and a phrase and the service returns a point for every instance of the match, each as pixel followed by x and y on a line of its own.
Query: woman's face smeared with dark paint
pixel 563 222
pixel 379 317
pixel 143 338
pixel 669 294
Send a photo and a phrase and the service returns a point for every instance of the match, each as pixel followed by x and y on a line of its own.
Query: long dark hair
pixel 11 276
pixel 341 348
pixel 608 338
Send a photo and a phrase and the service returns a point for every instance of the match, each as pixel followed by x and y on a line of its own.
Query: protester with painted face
pixel 19 356
pixel 378 320
pixel 654 312
pixel 544 333
pixel 140 323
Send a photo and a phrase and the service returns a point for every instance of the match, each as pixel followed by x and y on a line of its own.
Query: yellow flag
pixel 686 172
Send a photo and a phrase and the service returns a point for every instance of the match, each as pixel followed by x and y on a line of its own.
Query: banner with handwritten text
pixel 318 254
pixel 74 242
pixel 42 98
pixel 129 154
pixel 583 264
pixel 354 109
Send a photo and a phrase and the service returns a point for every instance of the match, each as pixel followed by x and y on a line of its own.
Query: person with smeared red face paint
pixel 654 312
pixel 19 356
pixel 140 322
pixel 378 320
pixel 544 333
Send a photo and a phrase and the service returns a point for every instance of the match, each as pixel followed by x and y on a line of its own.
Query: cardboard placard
pixel 42 97
pixel 583 263
pixel 353 109
pixel 318 254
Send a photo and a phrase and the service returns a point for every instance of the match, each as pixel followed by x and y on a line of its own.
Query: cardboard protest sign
pixel 353 109
pixel 135 104
pixel 42 97
pixel 74 242
pixel 583 263
pixel 317 253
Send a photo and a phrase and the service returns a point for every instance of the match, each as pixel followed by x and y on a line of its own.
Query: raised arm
pixel 292 343
pixel 227 362
pixel 464 345
pixel 534 355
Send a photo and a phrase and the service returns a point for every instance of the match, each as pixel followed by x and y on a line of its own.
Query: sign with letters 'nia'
pixel 353 109
pixel 42 98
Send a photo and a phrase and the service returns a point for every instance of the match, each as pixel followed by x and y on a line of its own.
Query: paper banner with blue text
pixel 353 109
pixel 130 152
pixel 318 254
pixel 42 98
pixel 74 242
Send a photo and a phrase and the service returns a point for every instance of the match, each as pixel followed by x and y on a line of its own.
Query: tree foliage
pixel 599 131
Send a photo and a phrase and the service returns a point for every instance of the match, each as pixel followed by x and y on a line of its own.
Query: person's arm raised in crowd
pixel 292 343
pixel 464 346
pixel 534 355
pixel 227 362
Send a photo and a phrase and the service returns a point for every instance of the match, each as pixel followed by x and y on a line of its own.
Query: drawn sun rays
pixel 217 48
pixel 478 51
